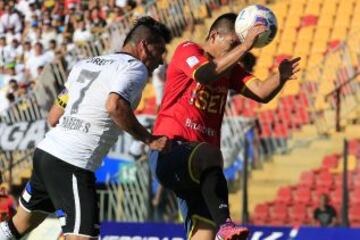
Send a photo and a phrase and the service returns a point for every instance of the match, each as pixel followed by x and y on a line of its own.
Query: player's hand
pixel 289 68
pixel 252 35
pixel 160 143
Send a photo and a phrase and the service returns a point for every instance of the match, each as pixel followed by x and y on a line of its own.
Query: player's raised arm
pixel 264 91
pixel 216 67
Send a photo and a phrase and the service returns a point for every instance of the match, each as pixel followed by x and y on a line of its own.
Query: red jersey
pixel 189 110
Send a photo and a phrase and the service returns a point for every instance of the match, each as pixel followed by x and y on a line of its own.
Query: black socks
pixel 215 192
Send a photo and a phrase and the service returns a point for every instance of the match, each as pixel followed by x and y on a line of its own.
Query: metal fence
pixel 129 201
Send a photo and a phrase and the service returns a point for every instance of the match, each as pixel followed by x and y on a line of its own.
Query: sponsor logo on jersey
pixel 192 61
pixel 73 123
pixel 100 61
pixel 199 127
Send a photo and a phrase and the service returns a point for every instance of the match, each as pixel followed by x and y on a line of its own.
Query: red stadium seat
pixel 354 216
pixel 355 198
pixel 279 215
pixel 356 181
pixel 261 214
pixel 354 147
pixel 336 197
pixel 280 130
pixel 325 180
pixel 308 20
pixel 331 161
pixel 307 179
pixel 284 195
pixel 334 44
pixel 302 99
pixel 302 195
pixel 265 131
pixel 299 215
pixel 238 103
pixel 339 180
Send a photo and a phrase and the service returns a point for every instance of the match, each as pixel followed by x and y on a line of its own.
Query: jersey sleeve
pixel 129 83
pixel 189 57
pixel 240 78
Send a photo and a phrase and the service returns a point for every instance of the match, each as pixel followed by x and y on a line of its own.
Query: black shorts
pixel 67 190
pixel 173 171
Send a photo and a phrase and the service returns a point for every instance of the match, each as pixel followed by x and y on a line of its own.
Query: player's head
pixel 222 34
pixel 147 40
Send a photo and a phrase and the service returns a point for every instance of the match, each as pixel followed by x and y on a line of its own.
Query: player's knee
pixel 210 156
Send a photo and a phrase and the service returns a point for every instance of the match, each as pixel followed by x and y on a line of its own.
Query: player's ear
pixel 141 47
pixel 213 35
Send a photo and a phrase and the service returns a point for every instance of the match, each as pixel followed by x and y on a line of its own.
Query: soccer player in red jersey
pixel 198 80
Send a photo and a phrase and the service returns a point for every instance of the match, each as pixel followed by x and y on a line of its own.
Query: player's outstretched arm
pixel 265 91
pixel 54 115
pixel 121 113
pixel 58 108
pixel 215 68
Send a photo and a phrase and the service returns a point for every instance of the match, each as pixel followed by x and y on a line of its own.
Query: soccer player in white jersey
pixel 102 93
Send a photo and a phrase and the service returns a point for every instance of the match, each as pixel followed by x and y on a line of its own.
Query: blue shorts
pixel 173 171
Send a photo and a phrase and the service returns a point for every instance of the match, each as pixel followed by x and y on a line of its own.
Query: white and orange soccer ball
pixel 256 14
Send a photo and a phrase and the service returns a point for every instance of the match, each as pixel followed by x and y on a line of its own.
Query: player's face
pixel 153 54
pixel 227 41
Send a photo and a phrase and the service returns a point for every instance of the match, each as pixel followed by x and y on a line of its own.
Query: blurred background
pixel 290 164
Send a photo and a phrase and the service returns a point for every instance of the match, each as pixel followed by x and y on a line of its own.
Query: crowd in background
pixel 34 33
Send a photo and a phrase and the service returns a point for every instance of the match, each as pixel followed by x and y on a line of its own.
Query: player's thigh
pixel 173 168
pixel 203 157
pixel 73 192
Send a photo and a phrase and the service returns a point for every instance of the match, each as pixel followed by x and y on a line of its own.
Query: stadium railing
pixel 35 104
pixel 176 14
pixel 338 72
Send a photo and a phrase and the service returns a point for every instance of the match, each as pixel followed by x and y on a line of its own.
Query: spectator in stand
pixel 325 214
pixel 118 14
pixel 28 52
pixel 14 88
pixel 97 20
pixel 36 60
pixel 2 7
pixel 11 74
pixel 51 51
pixel 4 54
pixel 48 32
pixel 10 20
pixel 81 34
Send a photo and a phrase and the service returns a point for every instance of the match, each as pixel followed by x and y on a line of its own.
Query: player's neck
pixel 130 50
pixel 211 50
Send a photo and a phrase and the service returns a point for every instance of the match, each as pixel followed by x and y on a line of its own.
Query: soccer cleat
pixel 232 231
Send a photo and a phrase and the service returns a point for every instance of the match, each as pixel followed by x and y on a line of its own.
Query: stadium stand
pixel 294 204
pixel 322 32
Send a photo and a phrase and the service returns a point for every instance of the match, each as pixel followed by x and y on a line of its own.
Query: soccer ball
pixel 256 14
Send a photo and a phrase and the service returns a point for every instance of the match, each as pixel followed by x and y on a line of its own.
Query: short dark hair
pixel 149 29
pixel 224 23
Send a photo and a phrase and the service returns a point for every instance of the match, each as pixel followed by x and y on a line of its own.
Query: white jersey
pixel 85 132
